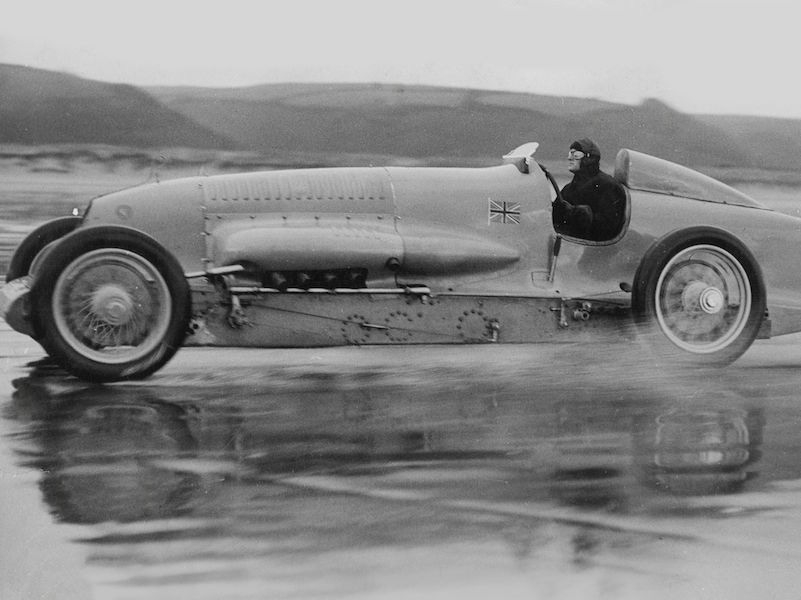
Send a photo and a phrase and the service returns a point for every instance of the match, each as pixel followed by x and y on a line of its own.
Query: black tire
pixel 112 303
pixel 35 241
pixel 699 297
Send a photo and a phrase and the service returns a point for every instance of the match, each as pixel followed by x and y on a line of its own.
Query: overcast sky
pixel 699 56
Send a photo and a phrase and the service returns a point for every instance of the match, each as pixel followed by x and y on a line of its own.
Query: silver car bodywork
pixel 430 255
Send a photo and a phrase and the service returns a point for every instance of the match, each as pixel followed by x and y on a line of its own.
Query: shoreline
pixel 137 165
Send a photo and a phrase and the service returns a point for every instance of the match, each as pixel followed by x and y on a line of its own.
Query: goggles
pixel 575 155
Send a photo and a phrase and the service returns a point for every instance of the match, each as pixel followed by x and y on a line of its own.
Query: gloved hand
pixel 581 216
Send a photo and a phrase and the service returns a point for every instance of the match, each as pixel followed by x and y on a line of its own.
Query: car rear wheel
pixel 34 243
pixel 699 296
pixel 30 248
pixel 112 304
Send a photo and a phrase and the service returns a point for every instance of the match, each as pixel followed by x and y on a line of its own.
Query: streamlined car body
pixel 402 255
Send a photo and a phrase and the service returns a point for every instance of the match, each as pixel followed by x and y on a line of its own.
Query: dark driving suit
pixel 592 205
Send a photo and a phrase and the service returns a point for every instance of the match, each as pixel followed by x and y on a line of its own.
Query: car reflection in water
pixel 129 454
pixel 100 453
pixel 701 452
pixel 307 485
pixel 674 450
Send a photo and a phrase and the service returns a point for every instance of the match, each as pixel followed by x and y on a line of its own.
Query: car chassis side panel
pixel 329 319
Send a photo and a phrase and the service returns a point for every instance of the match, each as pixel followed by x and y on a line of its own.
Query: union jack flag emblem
pixel 504 212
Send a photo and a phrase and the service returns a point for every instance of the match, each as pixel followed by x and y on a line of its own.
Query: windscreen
pixel 639 171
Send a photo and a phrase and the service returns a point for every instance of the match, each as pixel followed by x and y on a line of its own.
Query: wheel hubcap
pixel 698 296
pixel 711 301
pixel 113 305
pixel 703 299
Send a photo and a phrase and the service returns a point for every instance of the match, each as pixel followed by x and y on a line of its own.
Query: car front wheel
pixel 112 304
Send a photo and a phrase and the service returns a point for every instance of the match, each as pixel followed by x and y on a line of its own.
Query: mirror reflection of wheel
pixel 699 296
pixel 112 303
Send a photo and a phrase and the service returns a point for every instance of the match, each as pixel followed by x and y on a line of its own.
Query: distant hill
pixel 41 107
pixel 431 122
pixel 322 123
pixel 769 143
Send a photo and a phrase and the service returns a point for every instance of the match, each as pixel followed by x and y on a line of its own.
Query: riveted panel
pixel 359 190
pixel 329 319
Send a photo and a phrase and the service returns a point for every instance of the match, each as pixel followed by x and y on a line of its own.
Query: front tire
pixel 112 304
pixel 699 296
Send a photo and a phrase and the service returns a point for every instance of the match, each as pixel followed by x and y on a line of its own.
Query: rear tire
pixel 699 297
pixel 112 303
pixel 35 242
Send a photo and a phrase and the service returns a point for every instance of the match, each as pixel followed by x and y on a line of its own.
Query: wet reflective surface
pixel 526 471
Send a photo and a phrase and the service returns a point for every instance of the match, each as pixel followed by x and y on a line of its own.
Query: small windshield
pixel 639 171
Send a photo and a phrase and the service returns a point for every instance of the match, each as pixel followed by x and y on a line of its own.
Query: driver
pixel 592 205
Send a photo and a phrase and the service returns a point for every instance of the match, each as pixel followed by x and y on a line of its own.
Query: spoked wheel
pixel 699 295
pixel 112 304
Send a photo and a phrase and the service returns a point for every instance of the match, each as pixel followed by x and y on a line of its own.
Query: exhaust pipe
pixel 278 281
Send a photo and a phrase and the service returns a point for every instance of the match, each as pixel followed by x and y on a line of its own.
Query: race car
pixel 403 255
